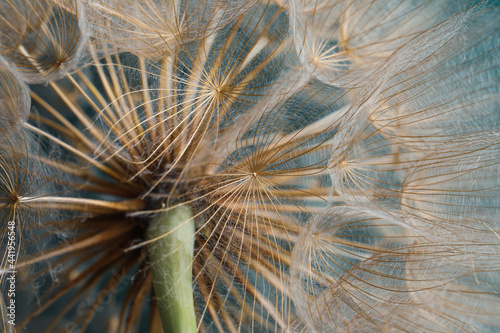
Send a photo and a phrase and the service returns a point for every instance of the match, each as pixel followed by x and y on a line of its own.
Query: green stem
pixel 171 258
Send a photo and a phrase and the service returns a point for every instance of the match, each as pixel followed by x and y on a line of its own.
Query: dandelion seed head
pixel 335 160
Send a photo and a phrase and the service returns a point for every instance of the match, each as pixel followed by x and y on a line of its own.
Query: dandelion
pixel 41 39
pixel 216 166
